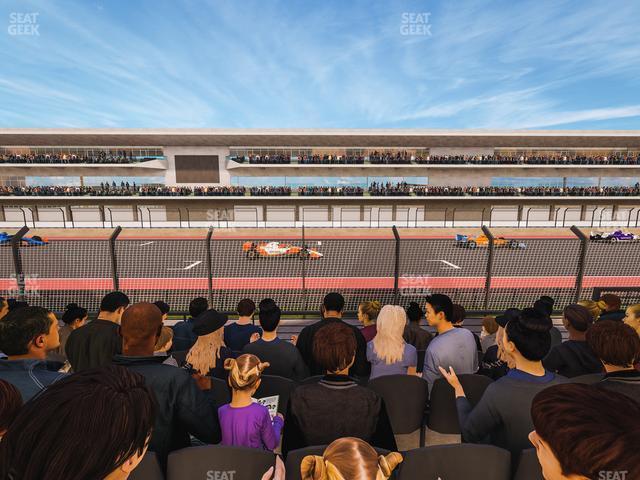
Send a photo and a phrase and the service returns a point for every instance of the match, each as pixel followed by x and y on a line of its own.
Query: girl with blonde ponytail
pixel 245 423
pixel 388 353
pixel 349 459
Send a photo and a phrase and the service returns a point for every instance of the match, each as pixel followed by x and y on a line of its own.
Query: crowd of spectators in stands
pixel 86 400
pixel 57 158
pixel 331 159
pixel 278 158
pixel 390 158
pixel 331 191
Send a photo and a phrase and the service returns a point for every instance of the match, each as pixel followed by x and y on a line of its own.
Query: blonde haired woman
pixel 349 459
pixel 367 314
pixel 245 423
pixel 595 308
pixel 388 353
pixel 632 317
pixel 208 354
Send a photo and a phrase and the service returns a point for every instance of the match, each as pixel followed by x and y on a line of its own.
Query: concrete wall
pixel 171 152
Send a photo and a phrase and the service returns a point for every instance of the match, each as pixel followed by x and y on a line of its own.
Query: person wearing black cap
pixel 208 354
pixel 183 409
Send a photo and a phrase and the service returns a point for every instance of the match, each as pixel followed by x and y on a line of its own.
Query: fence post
pixel 396 274
pixel 584 245
pixel 114 260
pixel 487 282
pixel 305 296
pixel 209 265
pixel 17 260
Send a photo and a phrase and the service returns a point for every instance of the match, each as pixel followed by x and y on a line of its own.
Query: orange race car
pixel 483 241
pixel 254 250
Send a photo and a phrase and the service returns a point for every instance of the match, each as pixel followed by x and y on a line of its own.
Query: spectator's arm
pixel 270 430
pixel 197 411
pixel 479 422
pixel 383 436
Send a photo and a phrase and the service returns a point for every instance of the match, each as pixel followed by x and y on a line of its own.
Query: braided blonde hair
pixel 206 351
pixel 349 459
pixel 244 371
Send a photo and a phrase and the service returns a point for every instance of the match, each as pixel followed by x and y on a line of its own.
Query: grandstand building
pixel 325 175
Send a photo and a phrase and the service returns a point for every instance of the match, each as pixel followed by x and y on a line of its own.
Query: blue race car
pixel 35 241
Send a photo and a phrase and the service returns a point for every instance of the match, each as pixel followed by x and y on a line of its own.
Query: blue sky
pixel 330 64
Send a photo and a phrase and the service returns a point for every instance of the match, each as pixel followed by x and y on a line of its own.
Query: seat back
pixel 405 397
pixel 443 414
pixel 211 460
pixel 148 469
pixel 528 466
pixel 271 385
pixel 294 459
pixel 466 460
pixel 310 380
pixel 221 391
pixel 588 379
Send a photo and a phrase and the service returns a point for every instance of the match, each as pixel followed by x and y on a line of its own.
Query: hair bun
pixel 534 320
pixel 388 463
pixel 313 468
pixel 376 304
pixel 229 363
pixel 602 305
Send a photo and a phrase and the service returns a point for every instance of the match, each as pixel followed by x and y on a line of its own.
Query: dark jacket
pixel 183 409
pixel 491 365
pixel 283 357
pixel 626 382
pixel 572 359
pixel 417 336
pixel 28 376
pixel 93 345
pixel 333 408
pixel 361 367
pixel 616 315
pixel 183 336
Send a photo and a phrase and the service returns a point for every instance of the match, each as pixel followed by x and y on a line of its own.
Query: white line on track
pixel 188 267
pixel 447 263
pixel 144 244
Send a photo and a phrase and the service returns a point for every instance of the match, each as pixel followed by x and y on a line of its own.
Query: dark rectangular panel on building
pixel 197 169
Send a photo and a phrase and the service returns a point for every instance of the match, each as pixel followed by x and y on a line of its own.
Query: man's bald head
pixel 140 326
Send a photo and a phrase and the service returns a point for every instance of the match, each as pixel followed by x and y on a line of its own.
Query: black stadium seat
pixel 405 397
pixel 528 466
pixel 443 414
pixel 221 391
pixel 588 379
pixel 148 469
pixel 456 462
pixel 204 462
pixel 271 385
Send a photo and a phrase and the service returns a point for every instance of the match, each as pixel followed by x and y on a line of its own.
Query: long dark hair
pixel 83 426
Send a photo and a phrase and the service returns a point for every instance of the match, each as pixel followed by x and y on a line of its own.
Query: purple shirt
pixel 249 426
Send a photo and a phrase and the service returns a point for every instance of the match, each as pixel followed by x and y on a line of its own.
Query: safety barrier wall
pixel 489 275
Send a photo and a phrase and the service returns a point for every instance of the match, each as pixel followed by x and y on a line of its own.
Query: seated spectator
pixel 183 336
pixel 183 409
pixel 414 334
pixel 336 406
pixel 632 317
pixel 10 405
pixel 495 362
pixel 91 425
pixel 245 423
pixel 574 357
pixel 610 305
pixel 350 458
pixel 593 307
pixel 453 347
pixel 238 333
pixel 4 307
pixel 504 412
pixel 27 335
pixel 73 318
pixel 164 309
pixel 283 357
pixel 331 312
pixel 367 315
pixel 459 315
pixel 163 345
pixel 582 433
pixel 618 347
pixel 545 304
pixel 388 353
pixel 208 354
pixel 488 333
pixel 95 344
